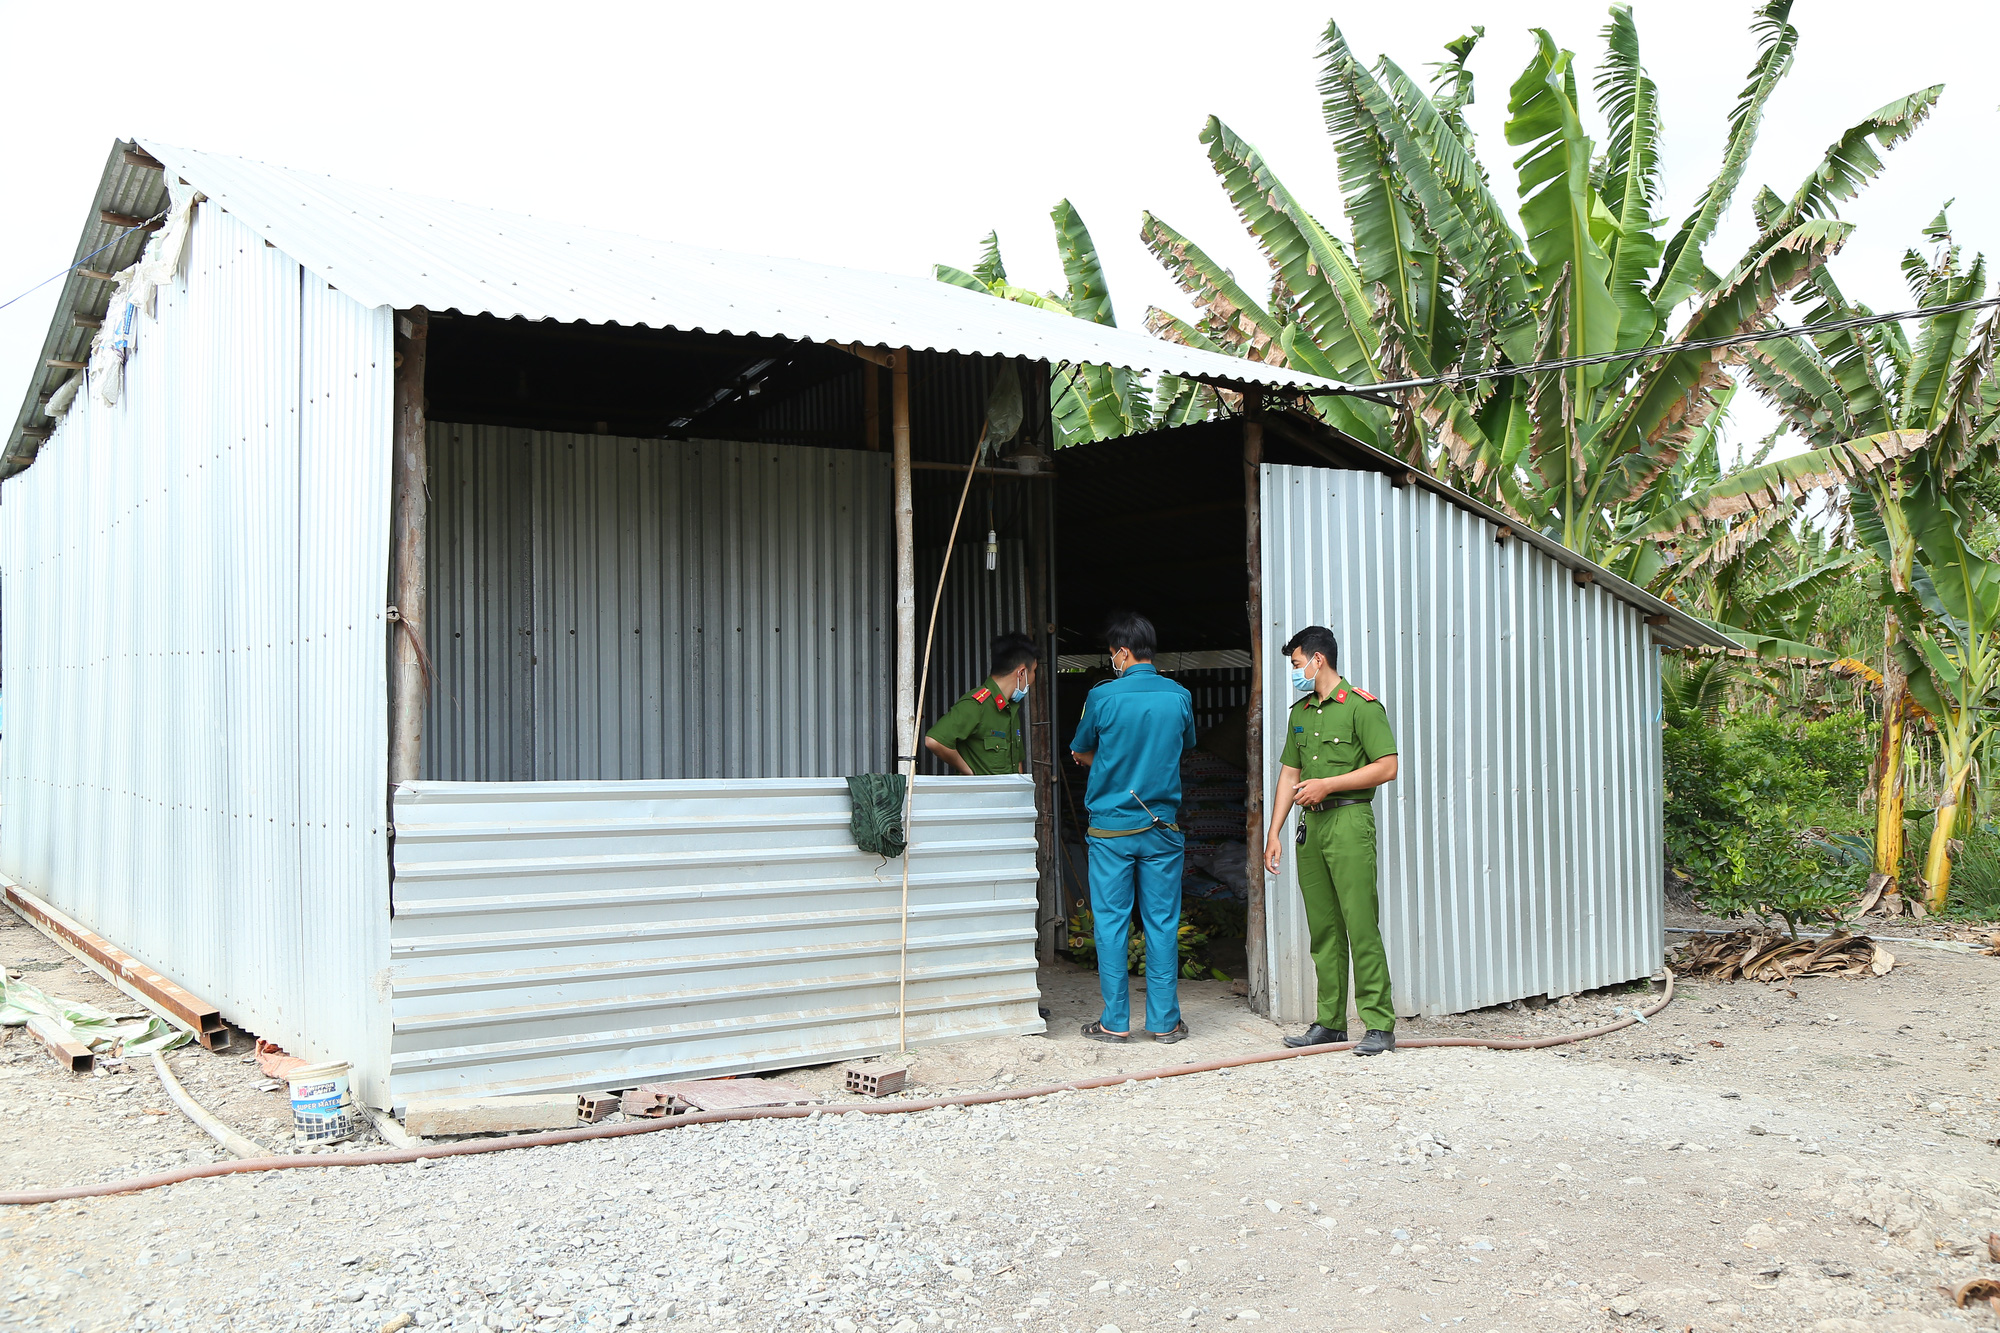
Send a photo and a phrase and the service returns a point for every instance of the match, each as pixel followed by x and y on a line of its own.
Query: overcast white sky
pixel 891 136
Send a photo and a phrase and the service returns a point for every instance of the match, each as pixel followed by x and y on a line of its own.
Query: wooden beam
pixel 139 157
pixel 881 356
pixel 409 521
pixel 1014 473
pixel 98 274
pixel 64 365
pixel 83 321
pixel 1657 621
pixel 906 562
pixel 129 220
pixel 1583 578
pixel 1253 542
pixel 1502 533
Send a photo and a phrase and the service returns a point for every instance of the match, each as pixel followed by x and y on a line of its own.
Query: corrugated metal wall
pixel 607 608
pixel 196 749
pixel 558 936
pixel 1520 849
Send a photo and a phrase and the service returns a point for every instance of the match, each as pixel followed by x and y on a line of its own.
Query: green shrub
pixel 1748 807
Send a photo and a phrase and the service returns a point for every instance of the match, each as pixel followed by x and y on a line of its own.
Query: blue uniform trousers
pixel 1146 865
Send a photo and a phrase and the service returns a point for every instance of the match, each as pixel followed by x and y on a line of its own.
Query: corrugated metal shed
pixel 1520 846
pixel 567 936
pixel 196 748
pixel 386 247
pixel 623 609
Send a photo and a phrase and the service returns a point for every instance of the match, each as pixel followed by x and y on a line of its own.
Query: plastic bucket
pixel 322 1104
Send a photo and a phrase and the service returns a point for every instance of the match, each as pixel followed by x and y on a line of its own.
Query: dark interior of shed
pixel 1156 524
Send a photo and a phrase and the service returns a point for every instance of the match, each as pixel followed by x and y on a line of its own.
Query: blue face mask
pixel 1302 680
pixel 1018 695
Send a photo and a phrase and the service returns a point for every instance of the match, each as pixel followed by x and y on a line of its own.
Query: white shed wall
pixel 195 755
pixel 1520 849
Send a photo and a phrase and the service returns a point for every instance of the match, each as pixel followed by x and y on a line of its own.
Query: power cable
pixel 1667 349
pixel 87 258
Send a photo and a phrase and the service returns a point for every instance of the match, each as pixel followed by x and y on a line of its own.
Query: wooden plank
pixel 129 220
pixel 139 157
pixel 434 1116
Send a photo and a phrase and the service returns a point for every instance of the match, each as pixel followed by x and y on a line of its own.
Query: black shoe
pixel 1316 1036
pixel 1376 1042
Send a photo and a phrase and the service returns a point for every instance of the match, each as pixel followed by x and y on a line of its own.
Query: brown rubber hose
pixel 307 1162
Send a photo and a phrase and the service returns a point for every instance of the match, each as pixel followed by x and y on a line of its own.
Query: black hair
pixel 1315 639
pixel 1010 650
pixel 1132 632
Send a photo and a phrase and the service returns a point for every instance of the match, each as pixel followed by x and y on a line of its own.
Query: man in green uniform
pixel 982 731
pixel 1338 750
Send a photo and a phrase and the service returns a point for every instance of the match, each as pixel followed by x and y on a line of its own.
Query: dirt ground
pixel 1818 1157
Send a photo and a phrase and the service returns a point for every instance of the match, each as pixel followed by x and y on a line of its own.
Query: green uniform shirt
pixel 1326 738
pixel 985 729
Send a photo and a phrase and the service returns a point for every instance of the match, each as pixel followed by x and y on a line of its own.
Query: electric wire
pixel 1668 349
pixel 86 259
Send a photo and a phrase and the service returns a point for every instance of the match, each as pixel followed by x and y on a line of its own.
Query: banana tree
pixel 1887 416
pixel 1952 660
pixel 1088 402
pixel 1435 278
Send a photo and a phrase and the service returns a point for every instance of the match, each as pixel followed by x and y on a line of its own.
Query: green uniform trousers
pixel 1337 881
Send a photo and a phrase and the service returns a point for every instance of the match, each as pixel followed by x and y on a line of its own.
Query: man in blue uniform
pixel 1131 737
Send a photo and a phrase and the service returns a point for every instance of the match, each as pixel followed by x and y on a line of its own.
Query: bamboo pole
pixel 906 560
pixel 1253 540
pixel 409 679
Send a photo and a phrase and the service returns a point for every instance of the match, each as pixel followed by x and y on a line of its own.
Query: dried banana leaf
pixel 1751 955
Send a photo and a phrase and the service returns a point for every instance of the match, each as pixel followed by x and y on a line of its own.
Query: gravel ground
pixel 1824 1167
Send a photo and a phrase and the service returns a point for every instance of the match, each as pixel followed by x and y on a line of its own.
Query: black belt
pixel 1335 805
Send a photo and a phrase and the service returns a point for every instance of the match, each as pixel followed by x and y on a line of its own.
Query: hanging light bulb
pixel 992 550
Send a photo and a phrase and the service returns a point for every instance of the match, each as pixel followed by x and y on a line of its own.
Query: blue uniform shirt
pixel 1138 725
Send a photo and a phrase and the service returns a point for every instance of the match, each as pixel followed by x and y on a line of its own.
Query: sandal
pixel 1179 1033
pixel 1096 1031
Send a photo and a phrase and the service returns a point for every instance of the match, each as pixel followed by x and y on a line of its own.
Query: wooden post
pixel 1253 540
pixel 871 407
pixel 906 564
pixel 1042 738
pixel 410 667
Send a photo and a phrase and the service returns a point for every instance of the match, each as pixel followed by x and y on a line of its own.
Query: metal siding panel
pixel 186 699
pixel 1520 848
pixel 575 935
pixel 699 609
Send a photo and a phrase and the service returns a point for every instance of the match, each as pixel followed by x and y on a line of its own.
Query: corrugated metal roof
pixel 130 188
pixel 387 247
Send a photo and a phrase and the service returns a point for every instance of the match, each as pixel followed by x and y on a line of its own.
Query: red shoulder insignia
pixel 982 694
pixel 1000 704
pixel 1366 695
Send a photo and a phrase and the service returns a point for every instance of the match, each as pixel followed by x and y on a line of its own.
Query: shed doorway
pixel 1156 524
